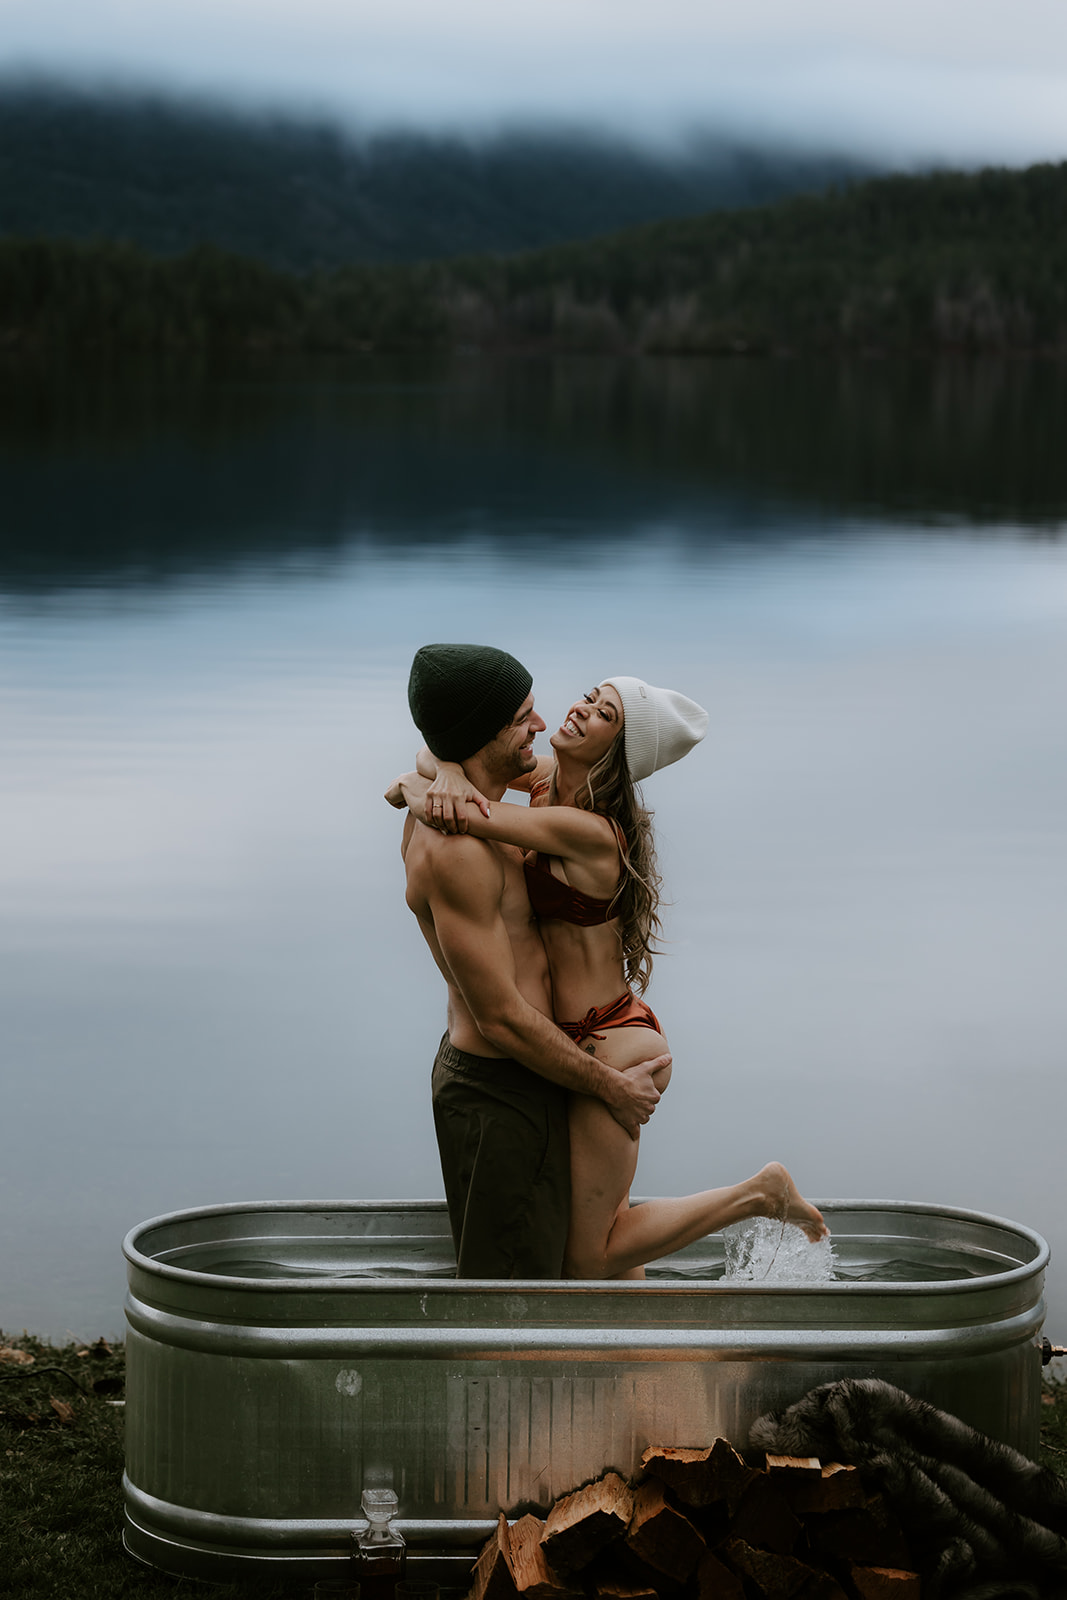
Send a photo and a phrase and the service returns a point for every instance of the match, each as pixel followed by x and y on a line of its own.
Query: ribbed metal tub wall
pixel 258 1407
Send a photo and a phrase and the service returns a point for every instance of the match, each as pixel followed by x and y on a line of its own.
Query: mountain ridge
pixel 941 262
pixel 300 194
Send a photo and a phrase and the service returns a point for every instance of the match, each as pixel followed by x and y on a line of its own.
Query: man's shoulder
pixel 450 862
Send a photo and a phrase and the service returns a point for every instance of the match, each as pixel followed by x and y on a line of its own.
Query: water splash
pixel 764 1250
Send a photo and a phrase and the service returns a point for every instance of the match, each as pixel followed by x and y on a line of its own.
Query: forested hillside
pixel 168 176
pixel 947 261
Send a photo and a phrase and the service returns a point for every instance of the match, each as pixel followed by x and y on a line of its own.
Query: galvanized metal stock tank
pixel 282 1357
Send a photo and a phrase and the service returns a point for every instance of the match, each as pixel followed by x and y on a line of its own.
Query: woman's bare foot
pixel 778 1196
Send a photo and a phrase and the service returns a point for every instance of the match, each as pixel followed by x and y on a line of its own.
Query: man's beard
pixel 507 764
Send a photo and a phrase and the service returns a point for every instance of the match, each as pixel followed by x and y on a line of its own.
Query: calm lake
pixel 211 589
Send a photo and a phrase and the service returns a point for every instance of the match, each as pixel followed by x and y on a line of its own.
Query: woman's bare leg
pixel 603 1163
pixel 604 1160
pixel 610 1241
pixel 608 1237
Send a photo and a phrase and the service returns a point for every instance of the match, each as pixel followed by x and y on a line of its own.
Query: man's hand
pixel 637 1094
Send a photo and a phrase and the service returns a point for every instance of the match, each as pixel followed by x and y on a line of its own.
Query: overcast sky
pixel 959 80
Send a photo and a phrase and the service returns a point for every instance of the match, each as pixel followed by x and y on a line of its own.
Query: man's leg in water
pixel 503 1140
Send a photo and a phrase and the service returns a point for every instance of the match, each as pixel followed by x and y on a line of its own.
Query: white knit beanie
pixel 660 725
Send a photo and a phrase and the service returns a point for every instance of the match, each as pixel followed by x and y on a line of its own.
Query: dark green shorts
pixel 505 1156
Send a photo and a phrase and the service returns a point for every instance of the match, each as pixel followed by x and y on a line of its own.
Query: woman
pixel 591 875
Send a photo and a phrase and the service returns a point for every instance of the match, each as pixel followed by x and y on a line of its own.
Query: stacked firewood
pixel 706 1525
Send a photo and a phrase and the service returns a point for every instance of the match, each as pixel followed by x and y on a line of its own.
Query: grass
pixel 1053 1448
pixel 61 1460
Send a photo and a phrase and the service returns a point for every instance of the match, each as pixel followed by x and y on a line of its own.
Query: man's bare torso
pixel 497 870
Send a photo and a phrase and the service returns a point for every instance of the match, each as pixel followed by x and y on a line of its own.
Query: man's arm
pixel 465 904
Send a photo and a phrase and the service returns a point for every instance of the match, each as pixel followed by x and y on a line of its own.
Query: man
pixel 503 1068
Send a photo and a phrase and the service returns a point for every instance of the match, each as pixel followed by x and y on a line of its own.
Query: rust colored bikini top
pixel 556 901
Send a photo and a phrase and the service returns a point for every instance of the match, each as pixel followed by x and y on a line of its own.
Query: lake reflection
pixel 211 990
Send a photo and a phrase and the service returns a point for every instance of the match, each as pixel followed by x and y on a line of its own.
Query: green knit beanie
pixel 462 695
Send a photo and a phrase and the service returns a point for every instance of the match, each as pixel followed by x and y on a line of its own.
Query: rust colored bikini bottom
pixel 625 1012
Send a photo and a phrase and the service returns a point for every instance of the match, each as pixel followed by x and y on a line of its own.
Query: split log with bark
pixel 706 1524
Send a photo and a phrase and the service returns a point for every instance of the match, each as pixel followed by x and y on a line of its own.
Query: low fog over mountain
pixel 167 174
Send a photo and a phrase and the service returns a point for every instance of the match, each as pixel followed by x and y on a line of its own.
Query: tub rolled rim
pixel 368 1285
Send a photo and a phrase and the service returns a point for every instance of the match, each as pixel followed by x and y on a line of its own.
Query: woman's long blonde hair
pixel 609 791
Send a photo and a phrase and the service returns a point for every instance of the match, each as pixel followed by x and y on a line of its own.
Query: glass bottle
pixel 378 1549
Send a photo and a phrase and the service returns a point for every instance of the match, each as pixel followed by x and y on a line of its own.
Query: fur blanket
pixel 984 1523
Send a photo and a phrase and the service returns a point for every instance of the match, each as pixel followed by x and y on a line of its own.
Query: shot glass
pixel 417 1589
pixel 337 1589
